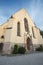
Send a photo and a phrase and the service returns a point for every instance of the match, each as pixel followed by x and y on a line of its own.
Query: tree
pixel 41 32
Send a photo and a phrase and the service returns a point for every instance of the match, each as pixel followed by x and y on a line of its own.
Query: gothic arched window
pixel 18 29
pixel 33 32
pixel 26 24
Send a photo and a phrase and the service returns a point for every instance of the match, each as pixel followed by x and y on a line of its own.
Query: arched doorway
pixel 1 47
pixel 29 43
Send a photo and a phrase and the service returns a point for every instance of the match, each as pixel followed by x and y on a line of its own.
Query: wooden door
pixel 28 43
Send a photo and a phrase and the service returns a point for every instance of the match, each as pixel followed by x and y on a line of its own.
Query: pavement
pixel 27 59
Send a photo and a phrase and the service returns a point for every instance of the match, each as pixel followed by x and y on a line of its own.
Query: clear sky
pixel 34 8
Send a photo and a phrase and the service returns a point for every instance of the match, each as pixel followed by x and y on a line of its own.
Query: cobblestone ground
pixel 29 59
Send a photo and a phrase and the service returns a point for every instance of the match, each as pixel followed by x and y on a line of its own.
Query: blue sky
pixel 34 8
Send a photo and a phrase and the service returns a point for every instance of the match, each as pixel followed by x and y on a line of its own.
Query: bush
pixel 15 49
pixel 39 48
pixel 18 50
pixel 1 47
pixel 21 50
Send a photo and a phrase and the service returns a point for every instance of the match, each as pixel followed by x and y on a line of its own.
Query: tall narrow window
pixel 18 29
pixel 26 24
pixel 33 32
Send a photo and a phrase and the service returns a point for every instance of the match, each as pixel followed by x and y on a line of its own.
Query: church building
pixel 19 29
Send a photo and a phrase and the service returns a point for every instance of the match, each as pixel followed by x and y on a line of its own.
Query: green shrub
pixel 18 50
pixel 15 49
pixel 21 50
pixel 39 48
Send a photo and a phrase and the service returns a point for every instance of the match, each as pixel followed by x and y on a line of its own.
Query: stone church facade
pixel 20 30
